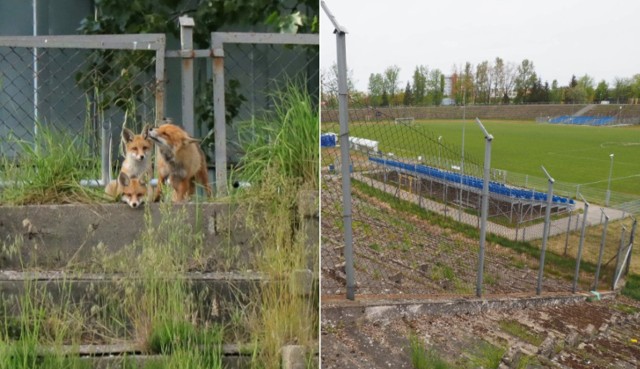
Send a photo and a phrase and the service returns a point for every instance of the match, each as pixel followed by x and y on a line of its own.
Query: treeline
pixel 496 82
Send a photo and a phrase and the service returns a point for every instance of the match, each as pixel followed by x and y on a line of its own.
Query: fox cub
pixel 131 190
pixel 131 184
pixel 179 159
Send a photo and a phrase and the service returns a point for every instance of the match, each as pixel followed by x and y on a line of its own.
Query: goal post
pixel 406 120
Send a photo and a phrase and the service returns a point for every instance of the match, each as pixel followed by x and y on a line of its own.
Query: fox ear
pixel 145 131
pixel 127 134
pixel 123 179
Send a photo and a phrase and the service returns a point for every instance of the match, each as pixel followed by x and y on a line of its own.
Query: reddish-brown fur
pixel 131 190
pixel 180 160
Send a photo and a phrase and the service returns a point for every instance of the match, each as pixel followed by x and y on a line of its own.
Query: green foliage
pixel 487 356
pixel 204 112
pixel 422 358
pixel 161 16
pixel 632 287
pixel 49 169
pixel 520 331
pixel 169 336
pixel 288 142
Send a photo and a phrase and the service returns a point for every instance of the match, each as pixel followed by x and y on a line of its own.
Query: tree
pixel 525 80
pixel 329 80
pixel 622 90
pixel 391 75
pixel 556 94
pixel 435 87
pixel 420 84
pixel 160 16
pixel 483 84
pixel 408 96
pixel 602 92
pixel 376 89
pixel 467 83
pixel 385 99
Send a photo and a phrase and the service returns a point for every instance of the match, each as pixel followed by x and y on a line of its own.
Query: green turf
pixel 575 154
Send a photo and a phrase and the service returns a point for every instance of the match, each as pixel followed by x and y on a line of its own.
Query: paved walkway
pixel 532 232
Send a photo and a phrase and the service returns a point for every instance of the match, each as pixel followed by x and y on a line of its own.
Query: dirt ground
pixel 399 254
pixel 598 334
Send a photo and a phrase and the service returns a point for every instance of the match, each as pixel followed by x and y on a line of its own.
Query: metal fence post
pixel 160 55
pixel 545 231
pixel 186 46
pixel 615 271
pixel 220 125
pixel 579 256
pixel 631 239
pixel 602 243
pixel 485 205
pixel 344 150
pixel 105 151
pixel 566 239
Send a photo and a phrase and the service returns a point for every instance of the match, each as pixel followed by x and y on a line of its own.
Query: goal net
pixel 408 120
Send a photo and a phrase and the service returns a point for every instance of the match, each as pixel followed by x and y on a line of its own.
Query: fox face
pixel 134 190
pixel 180 161
pixel 137 146
pixel 170 137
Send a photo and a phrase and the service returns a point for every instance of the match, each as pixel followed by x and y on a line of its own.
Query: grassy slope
pixel 570 153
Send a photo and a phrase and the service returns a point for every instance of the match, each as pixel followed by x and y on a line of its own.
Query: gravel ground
pixel 600 334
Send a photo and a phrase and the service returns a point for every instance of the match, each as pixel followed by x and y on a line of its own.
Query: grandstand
pixel 587 120
pixel 629 114
pixel 517 205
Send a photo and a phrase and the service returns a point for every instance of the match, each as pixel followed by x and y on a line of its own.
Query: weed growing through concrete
pixel 49 169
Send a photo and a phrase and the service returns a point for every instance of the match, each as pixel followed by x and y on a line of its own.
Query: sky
pixel 561 37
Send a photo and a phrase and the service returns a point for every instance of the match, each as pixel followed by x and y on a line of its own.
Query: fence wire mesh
pixel 254 74
pixel 411 193
pixel 75 91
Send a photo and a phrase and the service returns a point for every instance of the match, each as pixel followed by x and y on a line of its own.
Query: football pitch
pixel 571 153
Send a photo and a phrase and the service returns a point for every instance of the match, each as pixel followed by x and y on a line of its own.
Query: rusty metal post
pixel 160 54
pixel 220 126
pixel 186 46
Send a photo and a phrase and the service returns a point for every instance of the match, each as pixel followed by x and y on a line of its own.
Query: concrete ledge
pixel 218 294
pixel 380 310
pixel 50 236
pixel 128 355
pixel 54 234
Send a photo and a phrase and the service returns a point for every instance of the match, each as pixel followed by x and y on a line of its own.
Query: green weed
pixel 49 170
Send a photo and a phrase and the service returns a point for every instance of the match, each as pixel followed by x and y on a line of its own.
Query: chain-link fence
pixel 84 86
pixel 416 203
pixel 251 71
pixel 93 86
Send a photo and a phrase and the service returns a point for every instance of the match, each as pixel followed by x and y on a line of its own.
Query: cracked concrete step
pixel 55 236
pixel 217 295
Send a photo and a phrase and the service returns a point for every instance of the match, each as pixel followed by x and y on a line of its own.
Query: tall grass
pixel 421 358
pixel 281 160
pixel 49 169
pixel 286 143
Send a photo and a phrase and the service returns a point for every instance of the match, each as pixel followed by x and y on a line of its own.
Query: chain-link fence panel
pixel 79 85
pixel 255 74
pixel 406 181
